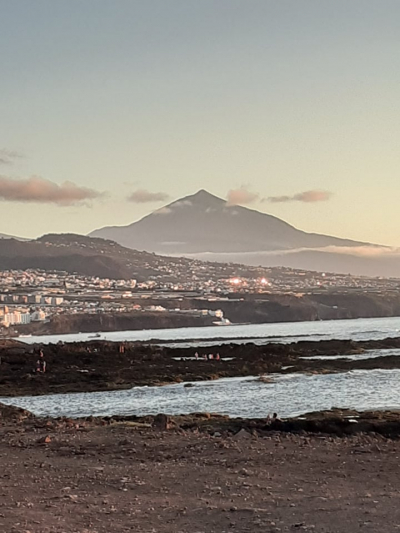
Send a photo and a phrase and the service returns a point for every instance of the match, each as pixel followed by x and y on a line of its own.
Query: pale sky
pixel 274 97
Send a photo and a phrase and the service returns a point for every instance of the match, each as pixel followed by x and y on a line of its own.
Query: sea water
pixel 360 329
pixel 288 395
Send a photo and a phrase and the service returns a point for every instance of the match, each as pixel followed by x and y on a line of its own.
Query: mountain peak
pixel 205 223
pixel 201 198
pixel 202 193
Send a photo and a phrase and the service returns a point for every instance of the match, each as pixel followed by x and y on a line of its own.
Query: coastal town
pixel 36 296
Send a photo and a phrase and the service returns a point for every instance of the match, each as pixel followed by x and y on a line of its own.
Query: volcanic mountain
pixel 203 223
pixel 203 226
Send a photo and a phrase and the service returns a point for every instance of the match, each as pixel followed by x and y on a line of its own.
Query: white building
pixel 14 318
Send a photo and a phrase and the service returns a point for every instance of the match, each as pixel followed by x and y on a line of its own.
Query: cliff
pixel 240 309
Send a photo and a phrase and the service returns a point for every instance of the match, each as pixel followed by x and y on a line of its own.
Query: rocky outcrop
pixel 102 365
pixel 10 413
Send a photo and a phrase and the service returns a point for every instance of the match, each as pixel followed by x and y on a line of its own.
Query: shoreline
pixel 341 423
pixel 100 365
pixel 120 335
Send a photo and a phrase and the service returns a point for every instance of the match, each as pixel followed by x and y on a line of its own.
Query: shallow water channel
pixel 288 395
pixel 369 354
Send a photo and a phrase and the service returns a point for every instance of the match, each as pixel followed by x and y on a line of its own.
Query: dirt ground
pixel 90 478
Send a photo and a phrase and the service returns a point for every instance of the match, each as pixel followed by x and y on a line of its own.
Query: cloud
pixel 306 196
pixel 367 250
pixel 142 196
pixel 163 211
pixel 183 203
pixel 241 196
pixel 7 157
pixel 39 190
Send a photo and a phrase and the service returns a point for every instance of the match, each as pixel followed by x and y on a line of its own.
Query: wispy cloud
pixel 142 196
pixel 163 211
pixel 183 203
pixel 241 196
pixel 7 157
pixel 367 250
pixel 39 190
pixel 306 196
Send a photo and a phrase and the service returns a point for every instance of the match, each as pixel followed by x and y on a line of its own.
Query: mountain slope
pixel 205 223
pixel 62 252
pixel 106 259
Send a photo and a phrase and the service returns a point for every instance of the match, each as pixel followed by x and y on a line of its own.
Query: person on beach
pixel 196 355
pixel 41 366
pixel 41 363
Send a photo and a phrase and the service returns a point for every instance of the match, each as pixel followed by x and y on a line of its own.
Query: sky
pixel 111 109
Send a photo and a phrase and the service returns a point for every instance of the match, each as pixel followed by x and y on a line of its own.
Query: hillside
pixel 78 254
pixel 107 259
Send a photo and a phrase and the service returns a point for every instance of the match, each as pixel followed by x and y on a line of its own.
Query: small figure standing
pixel 41 363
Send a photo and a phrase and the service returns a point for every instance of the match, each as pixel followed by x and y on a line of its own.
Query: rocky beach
pixel 104 366
pixel 199 473
pixel 328 472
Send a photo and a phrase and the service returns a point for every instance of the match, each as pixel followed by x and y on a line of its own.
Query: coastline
pixel 336 422
pixel 283 332
pixel 100 365
pixel 268 308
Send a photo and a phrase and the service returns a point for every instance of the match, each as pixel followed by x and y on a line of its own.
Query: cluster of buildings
pixel 277 280
pixel 20 316
pixel 35 296
pixel 35 299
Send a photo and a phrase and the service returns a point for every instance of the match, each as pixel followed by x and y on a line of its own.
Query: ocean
pixel 284 332
pixel 288 395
